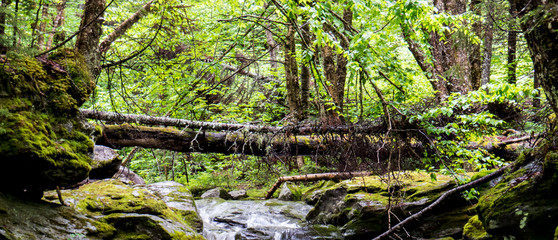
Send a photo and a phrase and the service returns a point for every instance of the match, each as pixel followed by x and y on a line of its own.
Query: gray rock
pixel 127 176
pixel 105 163
pixel 286 194
pixel 216 193
pixel 178 199
pixel 238 194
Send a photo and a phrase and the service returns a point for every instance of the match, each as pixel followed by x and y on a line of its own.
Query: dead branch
pixel 315 177
pixel 444 196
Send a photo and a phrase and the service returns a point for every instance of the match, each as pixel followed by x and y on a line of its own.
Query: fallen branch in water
pixel 315 177
pixel 444 196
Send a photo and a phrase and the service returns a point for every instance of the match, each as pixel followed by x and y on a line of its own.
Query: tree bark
pixel 118 136
pixel 124 26
pixel 42 27
pixel 488 36
pixel 87 42
pixel 291 74
pixel 540 26
pixel 305 72
pixel 58 22
pixel 475 53
pixel 3 47
pixel 512 44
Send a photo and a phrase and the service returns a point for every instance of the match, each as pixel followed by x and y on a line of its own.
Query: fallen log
pixel 315 177
pixel 119 118
pixel 118 136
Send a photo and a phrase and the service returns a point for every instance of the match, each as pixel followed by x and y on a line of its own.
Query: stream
pixel 259 219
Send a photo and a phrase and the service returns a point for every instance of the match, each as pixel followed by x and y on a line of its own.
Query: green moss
pixel 112 196
pixel 556 234
pixel 474 230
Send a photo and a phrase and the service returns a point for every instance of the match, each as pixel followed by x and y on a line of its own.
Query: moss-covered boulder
pixel 118 211
pixel 43 143
pixel 524 205
pixel 360 206
pixel 105 163
pixel 474 230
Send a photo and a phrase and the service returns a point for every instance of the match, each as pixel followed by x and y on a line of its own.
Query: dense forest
pixel 236 94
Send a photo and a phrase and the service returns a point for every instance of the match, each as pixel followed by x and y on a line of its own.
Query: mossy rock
pixel 43 143
pixel 134 212
pixel 524 204
pixel 360 206
pixel 474 230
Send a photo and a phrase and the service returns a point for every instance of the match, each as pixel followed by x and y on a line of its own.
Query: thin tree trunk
pixel 124 26
pixel 15 23
pixel 305 73
pixel 488 36
pixel 512 45
pixel 475 52
pixel 58 22
pixel 291 74
pixel 87 42
pixel 3 39
pixel 42 27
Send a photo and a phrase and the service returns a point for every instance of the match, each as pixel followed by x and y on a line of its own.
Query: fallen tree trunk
pixel 315 177
pixel 118 136
pixel 118 118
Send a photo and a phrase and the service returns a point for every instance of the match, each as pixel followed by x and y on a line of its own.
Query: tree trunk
pixel 305 72
pixel 87 42
pixel 291 74
pixel 124 26
pixel 540 27
pixel 488 35
pixel 117 136
pixel 451 58
pixel 475 54
pixel 3 39
pixel 58 22
pixel 42 27
pixel 512 45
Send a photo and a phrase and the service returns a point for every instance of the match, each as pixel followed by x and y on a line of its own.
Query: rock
pixel 108 209
pixel 127 176
pixel 286 194
pixel 43 142
pixel 525 202
pixel 216 193
pixel 105 163
pixel 360 206
pixel 180 200
pixel 474 230
pixel 238 194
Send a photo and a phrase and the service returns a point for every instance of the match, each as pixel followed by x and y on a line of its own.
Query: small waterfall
pixel 259 219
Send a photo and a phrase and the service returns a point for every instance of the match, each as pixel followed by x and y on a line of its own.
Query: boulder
pixel 286 194
pixel 525 202
pixel 360 206
pixel 127 176
pixel 180 200
pixel 216 193
pixel 105 209
pixel 43 141
pixel 238 194
pixel 105 163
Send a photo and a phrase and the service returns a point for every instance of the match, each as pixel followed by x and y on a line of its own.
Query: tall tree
pixel 512 44
pixel 488 36
pixel 540 26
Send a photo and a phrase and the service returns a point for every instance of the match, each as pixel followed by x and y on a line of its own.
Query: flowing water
pixel 259 219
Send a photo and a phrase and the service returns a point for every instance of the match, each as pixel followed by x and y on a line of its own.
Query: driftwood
pixel 315 177
pixel 444 196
